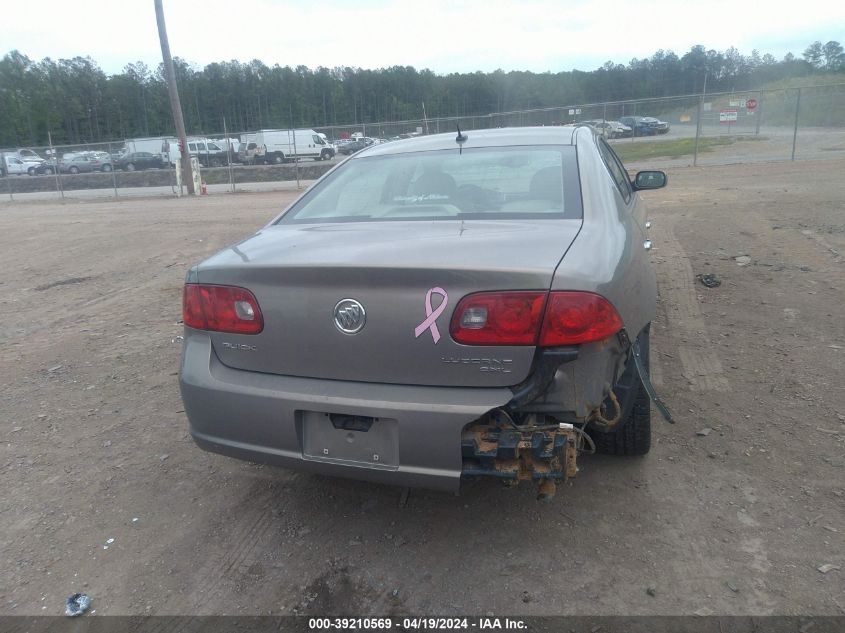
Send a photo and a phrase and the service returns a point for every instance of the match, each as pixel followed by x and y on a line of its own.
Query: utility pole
pixel 175 104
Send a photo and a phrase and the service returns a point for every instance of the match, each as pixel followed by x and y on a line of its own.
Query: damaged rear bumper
pixel 416 436
pixel 266 418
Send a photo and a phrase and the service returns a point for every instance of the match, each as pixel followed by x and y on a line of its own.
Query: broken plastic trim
pixel 546 364
pixel 646 382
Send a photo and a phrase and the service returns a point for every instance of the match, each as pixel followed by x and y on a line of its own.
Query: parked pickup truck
pixel 13 165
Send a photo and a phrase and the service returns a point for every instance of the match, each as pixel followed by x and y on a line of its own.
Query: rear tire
pixel 73 170
pixel 106 168
pixel 632 436
pixel 130 166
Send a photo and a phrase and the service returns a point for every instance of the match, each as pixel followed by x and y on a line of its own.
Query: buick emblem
pixel 349 316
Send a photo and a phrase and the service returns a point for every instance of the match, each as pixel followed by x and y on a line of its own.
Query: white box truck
pixel 281 146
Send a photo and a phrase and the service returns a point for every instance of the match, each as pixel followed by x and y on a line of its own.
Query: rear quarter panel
pixel 608 256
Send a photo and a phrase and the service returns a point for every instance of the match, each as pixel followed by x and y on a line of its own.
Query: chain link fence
pixel 709 129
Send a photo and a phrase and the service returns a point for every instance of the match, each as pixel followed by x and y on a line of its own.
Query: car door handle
pixel 647 245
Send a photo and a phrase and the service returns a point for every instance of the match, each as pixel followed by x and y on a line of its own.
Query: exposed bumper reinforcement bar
pixel 494 447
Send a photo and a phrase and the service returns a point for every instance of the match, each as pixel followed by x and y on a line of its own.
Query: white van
pixel 281 146
pixel 165 146
pixel 209 153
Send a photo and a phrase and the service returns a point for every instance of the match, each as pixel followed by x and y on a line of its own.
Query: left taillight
pixel 221 309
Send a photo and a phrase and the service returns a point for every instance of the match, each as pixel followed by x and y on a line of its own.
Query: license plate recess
pixel 353 440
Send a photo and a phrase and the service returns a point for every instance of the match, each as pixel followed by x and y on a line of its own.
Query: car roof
pixel 552 135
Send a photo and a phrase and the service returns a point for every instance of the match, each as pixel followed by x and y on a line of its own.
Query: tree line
pixel 75 101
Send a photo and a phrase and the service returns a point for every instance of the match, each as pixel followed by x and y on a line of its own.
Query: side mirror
pixel 650 180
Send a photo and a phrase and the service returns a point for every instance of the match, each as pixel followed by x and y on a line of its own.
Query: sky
pixel 442 35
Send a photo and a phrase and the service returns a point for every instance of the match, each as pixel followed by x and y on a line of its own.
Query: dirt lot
pixel 733 522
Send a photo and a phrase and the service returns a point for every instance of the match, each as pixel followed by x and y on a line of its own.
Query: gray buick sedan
pixel 434 309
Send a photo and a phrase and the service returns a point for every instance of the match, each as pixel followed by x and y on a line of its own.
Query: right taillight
pixel 519 318
pixel 498 318
pixel 578 317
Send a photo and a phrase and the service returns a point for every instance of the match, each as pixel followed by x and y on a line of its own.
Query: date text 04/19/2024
pixel 416 624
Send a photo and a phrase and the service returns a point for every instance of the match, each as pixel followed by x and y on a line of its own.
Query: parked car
pixel 139 160
pixel 661 127
pixel 610 129
pixel 423 315
pixel 354 146
pixel 48 167
pixel 100 161
pixel 77 163
pixel 645 125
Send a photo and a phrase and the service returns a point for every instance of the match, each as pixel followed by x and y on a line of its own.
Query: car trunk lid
pixel 408 276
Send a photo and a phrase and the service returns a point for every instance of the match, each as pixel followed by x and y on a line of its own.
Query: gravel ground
pixel 733 511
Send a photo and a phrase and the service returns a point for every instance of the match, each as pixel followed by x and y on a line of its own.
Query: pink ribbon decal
pixel 431 315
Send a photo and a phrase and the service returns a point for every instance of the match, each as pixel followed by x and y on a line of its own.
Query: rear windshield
pixel 479 183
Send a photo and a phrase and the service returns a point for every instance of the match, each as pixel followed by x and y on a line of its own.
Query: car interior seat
pixel 434 183
pixel 545 193
pixel 547 184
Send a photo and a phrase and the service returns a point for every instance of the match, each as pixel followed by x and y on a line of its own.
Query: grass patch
pixel 668 149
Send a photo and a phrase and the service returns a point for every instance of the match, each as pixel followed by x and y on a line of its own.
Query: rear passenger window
pixel 617 171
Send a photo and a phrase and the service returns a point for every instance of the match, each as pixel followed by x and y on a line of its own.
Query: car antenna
pixel 460 139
